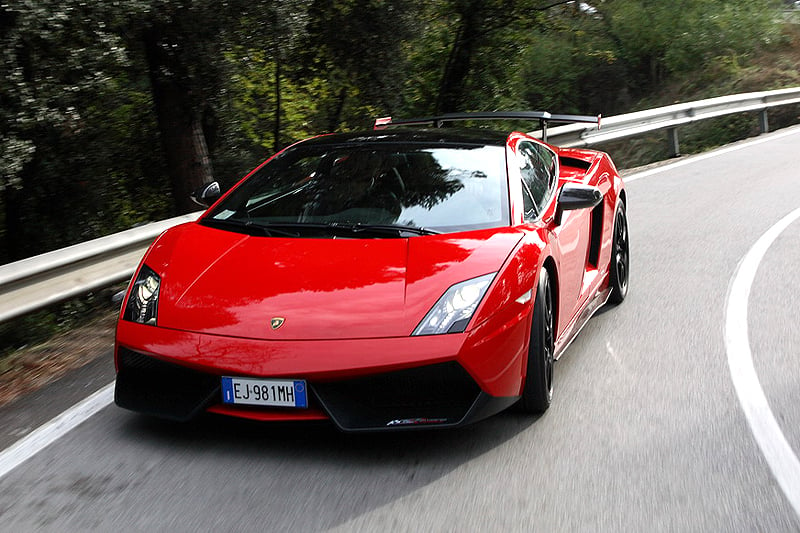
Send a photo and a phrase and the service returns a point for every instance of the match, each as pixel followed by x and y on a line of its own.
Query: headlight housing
pixel 455 308
pixel 142 304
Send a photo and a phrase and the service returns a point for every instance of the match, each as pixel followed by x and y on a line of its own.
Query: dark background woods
pixel 112 112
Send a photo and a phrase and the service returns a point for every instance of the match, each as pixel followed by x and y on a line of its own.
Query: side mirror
pixel 207 194
pixel 573 196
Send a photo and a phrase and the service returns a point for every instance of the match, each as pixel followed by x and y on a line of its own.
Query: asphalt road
pixel 646 433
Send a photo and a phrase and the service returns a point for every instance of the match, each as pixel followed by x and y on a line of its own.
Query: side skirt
pixel 598 301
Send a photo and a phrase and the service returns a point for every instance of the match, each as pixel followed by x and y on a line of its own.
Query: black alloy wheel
pixel 538 390
pixel 620 257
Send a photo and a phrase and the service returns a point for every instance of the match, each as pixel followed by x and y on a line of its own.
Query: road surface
pixel 649 430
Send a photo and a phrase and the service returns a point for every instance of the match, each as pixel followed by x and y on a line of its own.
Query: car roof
pixel 428 136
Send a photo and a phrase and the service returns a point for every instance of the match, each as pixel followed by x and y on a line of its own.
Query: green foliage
pixel 353 51
pixel 659 39
pixel 426 55
pixel 572 65
pixel 82 149
pixel 255 104
pixel 75 131
pixel 717 132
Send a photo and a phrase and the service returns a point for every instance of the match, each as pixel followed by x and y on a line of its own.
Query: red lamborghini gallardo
pixel 399 278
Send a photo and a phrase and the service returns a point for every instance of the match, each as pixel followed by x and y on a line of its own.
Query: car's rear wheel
pixel 538 390
pixel 620 257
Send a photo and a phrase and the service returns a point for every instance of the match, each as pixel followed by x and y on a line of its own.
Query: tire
pixel 537 392
pixel 620 258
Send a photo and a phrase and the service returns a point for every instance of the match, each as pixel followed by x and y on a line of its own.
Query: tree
pixel 59 57
pixel 476 22
pixel 356 47
pixel 656 44
pixel 270 104
pixel 183 45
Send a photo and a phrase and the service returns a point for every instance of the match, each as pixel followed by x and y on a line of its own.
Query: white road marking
pixel 27 447
pixel 774 446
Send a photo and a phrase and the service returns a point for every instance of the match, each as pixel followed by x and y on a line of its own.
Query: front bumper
pixel 359 384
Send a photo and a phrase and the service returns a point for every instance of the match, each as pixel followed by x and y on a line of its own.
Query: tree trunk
pixel 454 80
pixel 335 118
pixel 179 122
pixel 276 145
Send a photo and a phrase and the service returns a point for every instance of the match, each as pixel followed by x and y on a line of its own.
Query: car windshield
pixel 441 189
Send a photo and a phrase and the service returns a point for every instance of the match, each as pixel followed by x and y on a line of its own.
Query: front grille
pixel 158 388
pixel 439 394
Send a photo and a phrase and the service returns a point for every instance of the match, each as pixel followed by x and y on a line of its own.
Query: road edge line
pixel 51 431
pixel 779 455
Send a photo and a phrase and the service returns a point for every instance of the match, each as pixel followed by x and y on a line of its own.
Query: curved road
pixel 647 431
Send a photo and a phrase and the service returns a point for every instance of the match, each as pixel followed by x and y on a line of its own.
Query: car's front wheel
pixel 538 390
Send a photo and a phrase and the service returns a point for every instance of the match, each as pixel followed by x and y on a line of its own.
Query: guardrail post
pixel 672 139
pixel 763 121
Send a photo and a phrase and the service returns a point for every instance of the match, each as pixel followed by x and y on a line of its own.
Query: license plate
pixel 268 392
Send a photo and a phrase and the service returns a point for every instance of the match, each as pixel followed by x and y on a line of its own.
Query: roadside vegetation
pixel 112 112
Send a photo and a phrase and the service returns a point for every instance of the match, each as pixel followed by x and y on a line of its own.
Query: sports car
pixel 404 277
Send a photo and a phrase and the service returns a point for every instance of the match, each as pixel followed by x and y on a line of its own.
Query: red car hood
pixel 225 283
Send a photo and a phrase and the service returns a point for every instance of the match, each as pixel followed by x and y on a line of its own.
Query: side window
pixel 549 162
pixel 537 168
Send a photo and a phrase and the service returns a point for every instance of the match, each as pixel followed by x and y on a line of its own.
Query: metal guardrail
pixel 53 277
pixel 671 117
pixel 56 276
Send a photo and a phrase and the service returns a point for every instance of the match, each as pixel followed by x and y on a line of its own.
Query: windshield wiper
pixel 352 227
pixel 247 227
pixel 271 229
pixel 389 228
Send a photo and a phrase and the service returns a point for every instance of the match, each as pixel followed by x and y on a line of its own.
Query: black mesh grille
pixel 151 386
pixel 438 394
pixel 596 235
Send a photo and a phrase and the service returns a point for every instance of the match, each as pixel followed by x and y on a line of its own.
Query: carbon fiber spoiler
pixel 438 121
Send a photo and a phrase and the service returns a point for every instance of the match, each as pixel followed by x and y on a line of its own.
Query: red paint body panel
pixel 269 415
pixel 224 283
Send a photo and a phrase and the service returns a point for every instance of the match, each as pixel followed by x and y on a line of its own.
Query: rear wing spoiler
pixel 438 121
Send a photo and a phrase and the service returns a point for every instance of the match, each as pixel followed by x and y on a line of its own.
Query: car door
pixel 539 172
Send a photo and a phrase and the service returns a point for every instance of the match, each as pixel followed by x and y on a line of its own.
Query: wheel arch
pixel 549 264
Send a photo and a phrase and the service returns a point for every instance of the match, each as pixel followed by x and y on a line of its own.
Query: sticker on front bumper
pixel 416 421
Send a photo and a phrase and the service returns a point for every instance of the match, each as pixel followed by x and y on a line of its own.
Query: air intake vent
pixel 440 394
pixel 153 387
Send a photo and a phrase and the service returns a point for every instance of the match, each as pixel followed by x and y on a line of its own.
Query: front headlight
pixel 143 302
pixel 452 312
